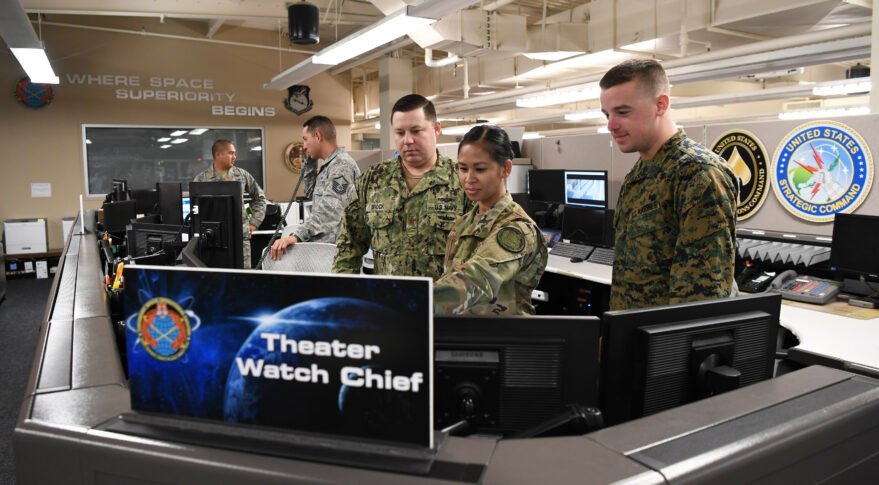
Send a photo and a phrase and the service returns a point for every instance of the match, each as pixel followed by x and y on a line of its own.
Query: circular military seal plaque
pixel 746 156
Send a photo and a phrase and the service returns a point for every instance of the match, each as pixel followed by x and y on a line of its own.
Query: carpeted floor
pixel 20 316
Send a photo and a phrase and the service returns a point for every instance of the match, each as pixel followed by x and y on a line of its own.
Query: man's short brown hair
pixel 322 124
pixel 648 73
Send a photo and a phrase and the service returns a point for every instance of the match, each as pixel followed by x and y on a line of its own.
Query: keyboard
pixel 602 256
pixel 571 250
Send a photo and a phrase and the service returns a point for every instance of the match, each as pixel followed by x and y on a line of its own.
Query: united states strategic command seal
pixel 745 154
pixel 163 329
pixel 821 168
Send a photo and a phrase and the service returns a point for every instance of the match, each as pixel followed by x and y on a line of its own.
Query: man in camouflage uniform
pixel 404 207
pixel 493 262
pixel 224 169
pixel 675 220
pixel 328 187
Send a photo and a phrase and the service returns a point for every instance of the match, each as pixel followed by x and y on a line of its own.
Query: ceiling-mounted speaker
pixel 858 70
pixel 304 23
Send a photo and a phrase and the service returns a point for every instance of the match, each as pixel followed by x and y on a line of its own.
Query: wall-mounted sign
pixel 298 100
pixel 745 154
pixel 33 95
pixel 821 168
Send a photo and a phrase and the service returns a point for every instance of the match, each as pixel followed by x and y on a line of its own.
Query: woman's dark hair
pixel 494 140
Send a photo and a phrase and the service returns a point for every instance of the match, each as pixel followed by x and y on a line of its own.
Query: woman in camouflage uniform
pixel 495 254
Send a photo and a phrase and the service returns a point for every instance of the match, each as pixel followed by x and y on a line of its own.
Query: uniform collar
pixel 331 158
pixel 652 167
pixel 482 223
pixel 441 174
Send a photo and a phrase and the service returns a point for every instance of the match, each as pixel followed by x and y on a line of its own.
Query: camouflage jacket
pixel 329 188
pixel 249 186
pixel 493 261
pixel 675 225
pixel 406 229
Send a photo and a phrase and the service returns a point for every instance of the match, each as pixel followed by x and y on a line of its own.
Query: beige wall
pixel 45 145
pixel 597 152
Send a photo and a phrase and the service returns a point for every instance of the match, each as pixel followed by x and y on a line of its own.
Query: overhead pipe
pixel 430 62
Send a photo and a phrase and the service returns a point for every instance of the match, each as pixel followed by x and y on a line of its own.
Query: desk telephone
pixel 766 280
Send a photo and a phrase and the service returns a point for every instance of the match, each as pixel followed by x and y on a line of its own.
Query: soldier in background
pixel 224 169
pixel 496 253
pixel 675 220
pixel 403 207
pixel 329 187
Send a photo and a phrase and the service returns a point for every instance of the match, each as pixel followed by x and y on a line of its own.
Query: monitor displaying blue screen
pixel 186 208
pixel 586 188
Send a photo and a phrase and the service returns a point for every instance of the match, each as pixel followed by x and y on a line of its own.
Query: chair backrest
pixel 303 257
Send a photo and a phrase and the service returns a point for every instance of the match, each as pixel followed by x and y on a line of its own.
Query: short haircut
pixel 648 73
pixel 492 139
pixel 322 124
pixel 219 145
pixel 412 102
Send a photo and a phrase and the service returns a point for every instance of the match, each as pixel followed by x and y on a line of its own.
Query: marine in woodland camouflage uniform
pixel 493 262
pixel 329 188
pixel 675 225
pixel 406 229
pixel 257 200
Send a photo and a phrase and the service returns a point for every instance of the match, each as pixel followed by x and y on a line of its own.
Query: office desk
pixel 596 273
pixel 833 340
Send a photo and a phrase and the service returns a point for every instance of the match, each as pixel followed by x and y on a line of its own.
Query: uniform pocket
pixel 379 223
pixel 649 238
pixel 440 225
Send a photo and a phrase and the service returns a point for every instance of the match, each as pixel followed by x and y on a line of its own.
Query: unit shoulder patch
pixel 511 239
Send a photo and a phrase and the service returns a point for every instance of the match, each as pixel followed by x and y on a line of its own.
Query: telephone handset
pixel 766 280
pixel 782 278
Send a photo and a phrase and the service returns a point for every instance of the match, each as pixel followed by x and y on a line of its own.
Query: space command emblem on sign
pixel 746 156
pixel 163 329
pixel 821 168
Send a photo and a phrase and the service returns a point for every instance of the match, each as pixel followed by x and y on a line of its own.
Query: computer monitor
pixel 169 197
pixel 217 223
pixel 145 200
pixel 584 225
pixel 586 188
pixel 547 186
pixel 185 207
pixel 119 214
pixel 120 190
pixel 853 249
pixel 506 374
pixel 662 357
pixel 146 239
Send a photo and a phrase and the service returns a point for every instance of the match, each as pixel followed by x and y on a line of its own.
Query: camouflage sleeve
pixel 487 278
pixel 353 239
pixel 330 202
pixel 309 176
pixel 257 200
pixel 704 258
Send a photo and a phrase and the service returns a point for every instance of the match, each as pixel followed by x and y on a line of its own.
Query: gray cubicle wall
pixel 597 152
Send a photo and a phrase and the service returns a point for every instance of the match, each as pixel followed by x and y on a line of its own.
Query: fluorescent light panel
pixel 594 114
pixel 841 88
pixel 392 27
pixel 559 96
pixel 198 131
pixel 36 65
pixel 550 56
pixel 178 133
pixel 179 140
pixel 823 113
pixel 163 139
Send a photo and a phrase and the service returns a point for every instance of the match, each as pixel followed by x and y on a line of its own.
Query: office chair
pixel 303 257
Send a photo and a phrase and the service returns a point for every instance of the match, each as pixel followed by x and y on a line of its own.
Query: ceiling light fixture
pixel 178 132
pixel 841 88
pixel 179 140
pixel 165 146
pixel 198 131
pixel 823 113
pixel 594 114
pixel 390 28
pixel 36 65
pixel 559 96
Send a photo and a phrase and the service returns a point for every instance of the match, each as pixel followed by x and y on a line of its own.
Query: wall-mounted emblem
pixel 746 155
pixel 298 100
pixel 293 155
pixel 821 168
pixel 33 95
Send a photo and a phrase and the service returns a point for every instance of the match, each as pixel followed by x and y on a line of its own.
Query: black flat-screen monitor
pixel 119 214
pixel 547 186
pixel 853 249
pixel 586 188
pixel 169 202
pixel 120 190
pixel 217 223
pixel 662 357
pixel 584 225
pixel 506 374
pixel 146 239
pixel 145 200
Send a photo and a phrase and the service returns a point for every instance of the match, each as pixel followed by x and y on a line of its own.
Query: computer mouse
pixel 577 259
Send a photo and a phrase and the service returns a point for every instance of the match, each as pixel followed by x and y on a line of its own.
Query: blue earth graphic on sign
pixel 305 405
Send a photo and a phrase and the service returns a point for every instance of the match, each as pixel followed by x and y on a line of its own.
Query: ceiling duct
pixel 475 32
pixel 557 41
